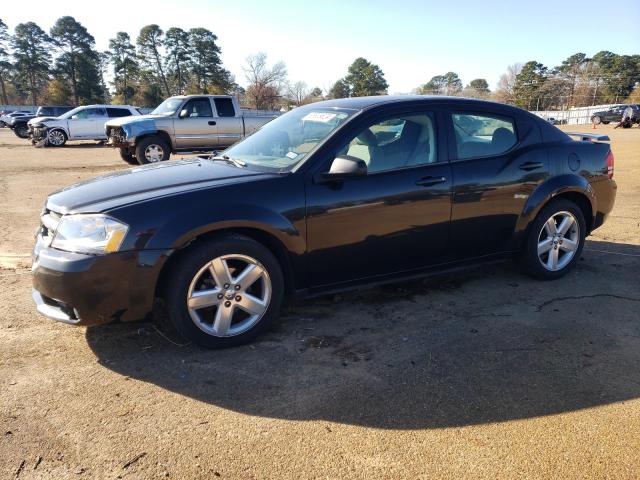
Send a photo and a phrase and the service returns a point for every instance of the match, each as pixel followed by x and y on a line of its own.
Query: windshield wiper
pixel 233 161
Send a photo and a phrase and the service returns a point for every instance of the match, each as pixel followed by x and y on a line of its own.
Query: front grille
pixel 116 135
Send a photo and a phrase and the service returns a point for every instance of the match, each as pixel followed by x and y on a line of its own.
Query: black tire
pixel 187 266
pixel 128 157
pixel 530 260
pixel 63 138
pixel 151 142
pixel 606 122
pixel 22 131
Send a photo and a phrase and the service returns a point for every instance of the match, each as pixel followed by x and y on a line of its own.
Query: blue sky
pixel 410 40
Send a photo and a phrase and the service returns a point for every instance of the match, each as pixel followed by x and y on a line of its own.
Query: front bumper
pixel 39 133
pixel 118 138
pixel 89 290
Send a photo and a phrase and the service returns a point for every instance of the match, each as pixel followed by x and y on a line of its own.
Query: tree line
pixel 578 81
pixel 64 67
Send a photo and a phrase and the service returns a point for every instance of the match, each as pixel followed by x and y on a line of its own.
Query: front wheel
pixel 555 240
pixel 22 131
pixel 56 138
pixel 224 292
pixel 596 120
pixel 126 155
pixel 152 150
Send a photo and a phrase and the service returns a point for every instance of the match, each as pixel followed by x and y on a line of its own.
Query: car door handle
pixel 526 166
pixel 428 181
pixel 212 122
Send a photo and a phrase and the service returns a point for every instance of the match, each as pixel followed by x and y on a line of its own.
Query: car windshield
pixel 285 142
pixel 168 107
pixel 71 113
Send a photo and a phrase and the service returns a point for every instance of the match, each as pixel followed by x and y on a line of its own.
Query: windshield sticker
pixel 323 117
pixel 292 155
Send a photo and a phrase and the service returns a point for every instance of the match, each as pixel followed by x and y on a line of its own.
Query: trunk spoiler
pixel 590 137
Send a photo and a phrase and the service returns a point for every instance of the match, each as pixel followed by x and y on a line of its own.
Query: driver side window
pixel 394 143
pixel 198 108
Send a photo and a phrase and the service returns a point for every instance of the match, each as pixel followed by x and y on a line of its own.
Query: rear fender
pixel 550 189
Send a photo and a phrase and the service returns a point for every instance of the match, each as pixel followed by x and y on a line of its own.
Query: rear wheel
pixel 126 155
pixel 152 150
pixel 596 120
pixel 224 292
pixel 56 138
pixel 605 122
pixel 555 240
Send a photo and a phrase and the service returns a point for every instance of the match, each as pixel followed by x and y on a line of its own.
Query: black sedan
pixel 329 196
pixel 615 113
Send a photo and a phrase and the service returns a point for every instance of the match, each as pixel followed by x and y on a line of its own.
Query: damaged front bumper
pixel 117 137
pixel 39 134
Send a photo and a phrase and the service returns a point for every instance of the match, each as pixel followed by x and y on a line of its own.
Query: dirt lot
pixel 486 374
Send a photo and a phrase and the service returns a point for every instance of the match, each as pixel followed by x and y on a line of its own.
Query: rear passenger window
pixel 224 106
pixel 482 135
pixel 118 112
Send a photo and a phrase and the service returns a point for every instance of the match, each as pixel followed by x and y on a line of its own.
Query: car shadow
pixel 486 345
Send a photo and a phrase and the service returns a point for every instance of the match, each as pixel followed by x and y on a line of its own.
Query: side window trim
pixel 453 145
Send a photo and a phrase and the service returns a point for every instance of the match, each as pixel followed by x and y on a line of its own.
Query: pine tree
pixel 78 62
pixel 31 46
pixel 365 78
pixel 150 41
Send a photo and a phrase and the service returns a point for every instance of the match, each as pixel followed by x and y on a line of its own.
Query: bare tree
pixel 265 83
pixel 506 84
pixel 298 93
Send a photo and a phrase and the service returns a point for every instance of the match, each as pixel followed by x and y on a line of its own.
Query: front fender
pixel 133 130
pixel 550 189
pixel 183 227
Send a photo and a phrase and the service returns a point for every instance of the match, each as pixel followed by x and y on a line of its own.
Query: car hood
pixel 35 120
pixel 118 122
pixel 142 183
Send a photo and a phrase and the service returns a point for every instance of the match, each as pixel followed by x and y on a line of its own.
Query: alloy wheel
pixel 229 295
pixel 154 153
pixel 558 241
pixel 56 137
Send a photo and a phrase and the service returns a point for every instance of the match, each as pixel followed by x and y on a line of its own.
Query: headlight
pixel 89 234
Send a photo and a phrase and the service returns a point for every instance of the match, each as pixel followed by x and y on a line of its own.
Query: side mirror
pixel 184 113
pixel 345 166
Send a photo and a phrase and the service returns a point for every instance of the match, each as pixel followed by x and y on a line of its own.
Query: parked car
pixel 19 125
pixel 53 110
pixel 398 187
pixel 6 118
pixel 192 123
pixel 81 123
pixel 614 114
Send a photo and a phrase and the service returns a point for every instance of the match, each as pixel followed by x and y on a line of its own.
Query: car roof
pixel 363 103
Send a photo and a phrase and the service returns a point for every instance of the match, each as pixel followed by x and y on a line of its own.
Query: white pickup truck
pixel 183 124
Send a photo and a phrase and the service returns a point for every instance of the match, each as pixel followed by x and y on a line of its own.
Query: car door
pixel 88 123
pixel 495 167
pixel 394 219
pixel 196 127
pixel 230 128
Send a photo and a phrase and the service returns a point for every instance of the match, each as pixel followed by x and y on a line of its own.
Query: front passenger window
pixel 395 143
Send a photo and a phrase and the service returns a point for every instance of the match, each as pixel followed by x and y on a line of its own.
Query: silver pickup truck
pixel 183 124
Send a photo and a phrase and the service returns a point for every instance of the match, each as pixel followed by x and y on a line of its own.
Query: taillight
pixel 610 164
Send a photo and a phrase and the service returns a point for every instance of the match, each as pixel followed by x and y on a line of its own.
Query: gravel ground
pixel 483 374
